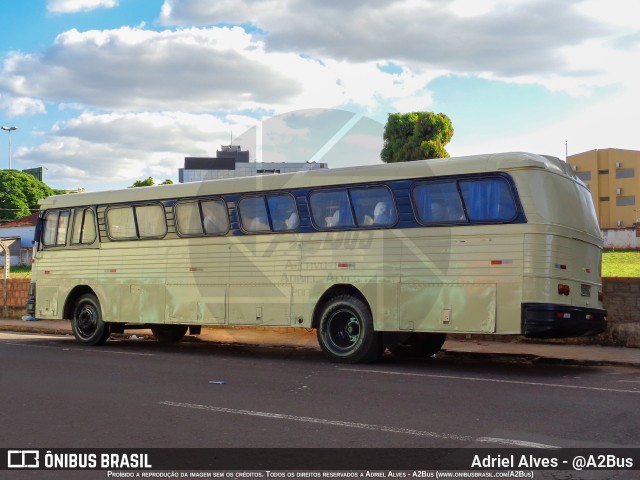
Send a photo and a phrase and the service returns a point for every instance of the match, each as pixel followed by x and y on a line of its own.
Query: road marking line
pixel 363 426
pixel 79 349
pixel 494 380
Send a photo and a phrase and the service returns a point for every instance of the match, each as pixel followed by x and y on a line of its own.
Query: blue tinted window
pixel 373 206
pixel 253 213
pixel 488 200
pixel 283 211
pixel 438 202
pixel 331 209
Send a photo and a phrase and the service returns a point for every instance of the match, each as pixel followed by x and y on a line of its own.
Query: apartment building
pixel 613 176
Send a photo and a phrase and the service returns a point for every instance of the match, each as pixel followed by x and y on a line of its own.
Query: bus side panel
pixel 462 279
pixel 442 307
pixel 196 304
pixel 47 302
pixel 368 260
pixel 260 291
pixel 142 303
pixel 268 305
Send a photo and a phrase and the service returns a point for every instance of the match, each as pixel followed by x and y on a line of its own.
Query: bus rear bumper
pixel 545 320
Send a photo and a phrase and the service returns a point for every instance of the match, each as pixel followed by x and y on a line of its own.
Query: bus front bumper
pixel 545 320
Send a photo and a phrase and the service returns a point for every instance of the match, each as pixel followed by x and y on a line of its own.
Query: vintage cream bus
pixel 373 257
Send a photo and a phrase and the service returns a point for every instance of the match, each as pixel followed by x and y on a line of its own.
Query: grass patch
pixel 20 272
pixel 621 264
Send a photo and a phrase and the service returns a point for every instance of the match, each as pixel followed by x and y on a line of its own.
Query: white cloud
pixel 105 151
pixel 524 41
pixel 17 106
pixel 73 6
pixel 194 70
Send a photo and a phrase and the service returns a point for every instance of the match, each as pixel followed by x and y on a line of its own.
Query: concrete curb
pixel 463 349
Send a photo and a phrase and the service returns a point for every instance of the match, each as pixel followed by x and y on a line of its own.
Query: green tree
pixel 19 194
pixel 143 183
pixel 149 183
pixel 416 136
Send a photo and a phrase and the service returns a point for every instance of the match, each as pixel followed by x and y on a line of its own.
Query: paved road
pixel 56 393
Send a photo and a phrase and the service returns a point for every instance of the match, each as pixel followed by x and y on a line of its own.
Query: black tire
pixel 346 332
pixel 86 321
pixel 169 333
pixel 420 345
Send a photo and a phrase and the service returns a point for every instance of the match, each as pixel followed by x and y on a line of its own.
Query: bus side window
pixel 84 228
pixel 438 202
pixel 215 218
pixel 121 223
pixel 202 217
pixel 188 218
pixel 373 206
pixel 55 229
pixel 151 221
pixel 331 209
pixel 284 215
pixel 488 200
pixel 253 214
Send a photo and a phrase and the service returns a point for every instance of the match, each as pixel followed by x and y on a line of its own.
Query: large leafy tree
pixel 19 194
pixel 416 136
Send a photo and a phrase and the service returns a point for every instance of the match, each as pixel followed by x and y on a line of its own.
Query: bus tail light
pixel 563 315
pixel 563 289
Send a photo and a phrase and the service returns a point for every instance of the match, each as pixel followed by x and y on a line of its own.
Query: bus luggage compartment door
pixel 448 307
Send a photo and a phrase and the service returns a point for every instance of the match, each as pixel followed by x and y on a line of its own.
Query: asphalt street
pixel 138 393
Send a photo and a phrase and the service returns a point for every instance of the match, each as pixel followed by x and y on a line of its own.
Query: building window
pixel 625 201
pixel 603 172
pixel 625 173
pixel 604 199
pixel 584 176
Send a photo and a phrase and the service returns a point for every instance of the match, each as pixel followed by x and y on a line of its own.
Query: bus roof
pixel 315 178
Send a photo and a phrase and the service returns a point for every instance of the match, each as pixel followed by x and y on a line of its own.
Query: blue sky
pixel 106 92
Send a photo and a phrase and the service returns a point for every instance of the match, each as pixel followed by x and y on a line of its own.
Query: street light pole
pixel 9 130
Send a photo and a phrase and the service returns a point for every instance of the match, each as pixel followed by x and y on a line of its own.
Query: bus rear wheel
pixel 169 333
pixel 346 333
pixel 86 322
pixel 420 345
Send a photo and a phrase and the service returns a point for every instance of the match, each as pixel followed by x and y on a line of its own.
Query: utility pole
pixel 9 130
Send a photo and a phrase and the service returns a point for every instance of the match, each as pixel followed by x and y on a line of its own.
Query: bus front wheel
pixel 346 333
pixel 169 333
pixel 86 322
